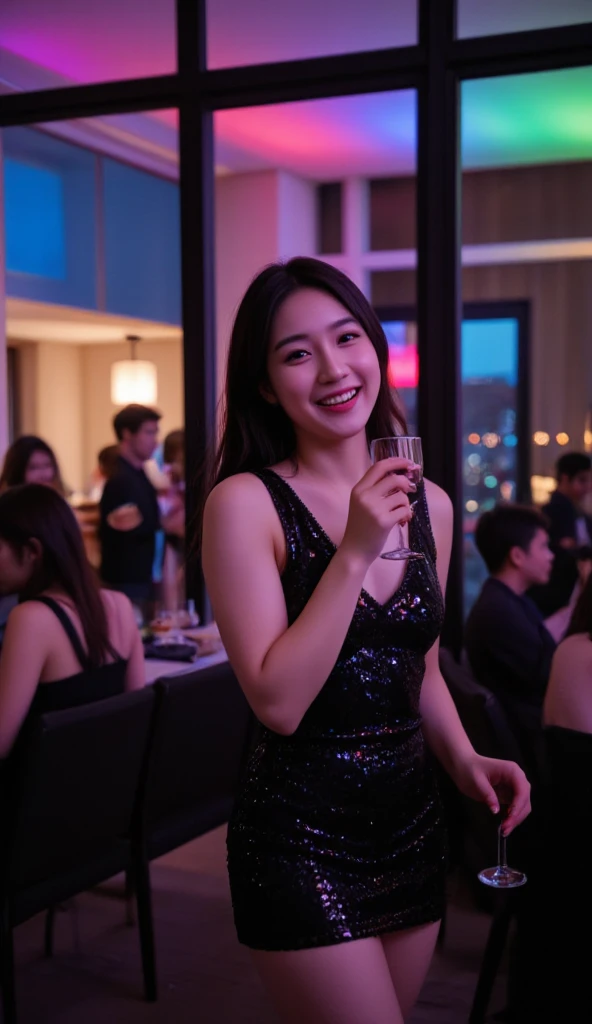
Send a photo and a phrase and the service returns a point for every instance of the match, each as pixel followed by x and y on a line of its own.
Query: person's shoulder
pixel 574 648
pixel 439 502
pixel 115 599
pixel 31 615
pixel 494 606
pixel 244 488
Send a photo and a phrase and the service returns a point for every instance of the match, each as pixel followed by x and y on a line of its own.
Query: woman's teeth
pixel 340 399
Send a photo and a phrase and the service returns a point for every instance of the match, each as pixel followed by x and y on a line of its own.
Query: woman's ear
pixel 33 550
pixel 267 393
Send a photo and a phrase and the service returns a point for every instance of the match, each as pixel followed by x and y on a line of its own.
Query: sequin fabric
pixel 337 833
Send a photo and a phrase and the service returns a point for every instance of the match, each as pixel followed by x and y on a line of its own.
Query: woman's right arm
pixel 282 668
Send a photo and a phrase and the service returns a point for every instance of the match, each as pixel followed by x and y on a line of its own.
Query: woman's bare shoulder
pixel 438 500
pixel 243 491
pixel 114 599
pixel 574 651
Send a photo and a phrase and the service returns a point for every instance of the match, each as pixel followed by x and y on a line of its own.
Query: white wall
pixel 97 412
pixel 65 397
pixel 59 407
pixel 51 400
pixel 260 217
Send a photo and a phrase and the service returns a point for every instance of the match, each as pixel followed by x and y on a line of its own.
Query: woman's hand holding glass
pixel 499 784
pixel 378 502
pixel 495 782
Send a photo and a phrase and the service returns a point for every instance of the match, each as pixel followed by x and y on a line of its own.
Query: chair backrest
pixel 203 730
pixel 72 786
pixel 491 735
pixel 481 713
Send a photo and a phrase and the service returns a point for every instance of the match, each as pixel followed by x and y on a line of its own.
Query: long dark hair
pixel 255 433
pixel 35 511
pixel 17 458
pixel 581 620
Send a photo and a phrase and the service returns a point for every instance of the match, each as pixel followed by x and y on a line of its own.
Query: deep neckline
pixel 331 544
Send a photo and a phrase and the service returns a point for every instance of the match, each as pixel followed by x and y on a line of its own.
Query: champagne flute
pixel 404 448
pixel 502 876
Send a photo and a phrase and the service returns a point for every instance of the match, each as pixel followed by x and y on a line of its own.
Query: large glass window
pixel 493 369
pixel 93 253
pixel 483 18
pixel 49 43
pixel 293 178
pixel 491 414
pixel 50 222
pixel 277 30
pixel 527 229
pixel 527 216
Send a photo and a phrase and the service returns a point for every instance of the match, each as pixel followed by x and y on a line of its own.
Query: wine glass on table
pixel 402 447
pixel 502 876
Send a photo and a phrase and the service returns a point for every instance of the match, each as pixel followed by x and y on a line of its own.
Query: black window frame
pixel 435 67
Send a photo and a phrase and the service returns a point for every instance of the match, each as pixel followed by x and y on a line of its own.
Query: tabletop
pixel 155 668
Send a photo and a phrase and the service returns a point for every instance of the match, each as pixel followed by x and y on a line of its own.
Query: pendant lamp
pixel 133 380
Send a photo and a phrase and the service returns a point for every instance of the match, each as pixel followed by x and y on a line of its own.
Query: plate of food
pixel 206 638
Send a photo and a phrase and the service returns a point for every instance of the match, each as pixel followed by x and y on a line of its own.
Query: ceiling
pixel 505 121
pixel 36 321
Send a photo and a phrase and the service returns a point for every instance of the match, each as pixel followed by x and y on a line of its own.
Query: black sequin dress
pixel 337 832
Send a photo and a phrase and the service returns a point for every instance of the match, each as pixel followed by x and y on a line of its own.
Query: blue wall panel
pixel 50 219
pixel 142 244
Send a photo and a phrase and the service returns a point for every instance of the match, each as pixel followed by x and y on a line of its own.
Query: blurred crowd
pixel 132 514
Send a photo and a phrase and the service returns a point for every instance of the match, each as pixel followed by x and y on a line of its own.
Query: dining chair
pixel 69 800
pixel 491 735
pixel 203 731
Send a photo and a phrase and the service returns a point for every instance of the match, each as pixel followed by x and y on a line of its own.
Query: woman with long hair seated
pixel 30 460
pixel 67 642
pixel 565 883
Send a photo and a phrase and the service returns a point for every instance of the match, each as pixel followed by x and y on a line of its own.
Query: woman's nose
pixel 331 368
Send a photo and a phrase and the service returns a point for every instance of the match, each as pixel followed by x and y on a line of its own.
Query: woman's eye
pixel 296 354
pixel 349 336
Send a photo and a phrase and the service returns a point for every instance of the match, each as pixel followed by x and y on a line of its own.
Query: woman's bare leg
pixel 349 983
pixel 408 954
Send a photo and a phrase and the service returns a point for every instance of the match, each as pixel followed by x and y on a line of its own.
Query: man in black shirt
pixel 129 514
pixel 570 530
pixel 508 643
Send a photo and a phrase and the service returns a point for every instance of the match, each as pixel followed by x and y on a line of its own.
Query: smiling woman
pixel 336 846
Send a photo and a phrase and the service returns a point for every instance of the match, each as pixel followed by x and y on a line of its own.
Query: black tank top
pixel 93 682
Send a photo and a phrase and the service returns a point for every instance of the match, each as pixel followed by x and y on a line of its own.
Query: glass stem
pixel 501 849
pixel 401 543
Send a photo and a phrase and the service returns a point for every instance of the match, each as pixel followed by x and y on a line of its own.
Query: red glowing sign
pixel 403 367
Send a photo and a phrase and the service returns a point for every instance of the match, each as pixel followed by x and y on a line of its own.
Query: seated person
pixel 67 642
pixel 570 530
pixel 508 644
pixel 30 460
pixel 562 891
pixel 568 700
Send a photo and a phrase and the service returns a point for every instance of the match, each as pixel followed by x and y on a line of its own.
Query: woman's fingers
pixel 519 807
pixel 386 467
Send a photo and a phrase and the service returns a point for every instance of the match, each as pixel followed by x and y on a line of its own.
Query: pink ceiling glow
pixel 92 41
pixel 372 134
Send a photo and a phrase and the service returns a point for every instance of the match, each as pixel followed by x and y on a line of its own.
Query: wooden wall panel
pixel 512 204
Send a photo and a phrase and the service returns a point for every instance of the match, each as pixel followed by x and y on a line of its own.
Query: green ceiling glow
pixel 526 119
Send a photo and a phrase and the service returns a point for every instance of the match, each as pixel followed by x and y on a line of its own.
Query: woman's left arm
pixel 486 779
pixel 21 663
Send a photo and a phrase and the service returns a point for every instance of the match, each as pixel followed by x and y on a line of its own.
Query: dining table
pixel 156 668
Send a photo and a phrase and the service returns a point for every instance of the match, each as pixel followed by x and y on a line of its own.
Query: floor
pixel 205 977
